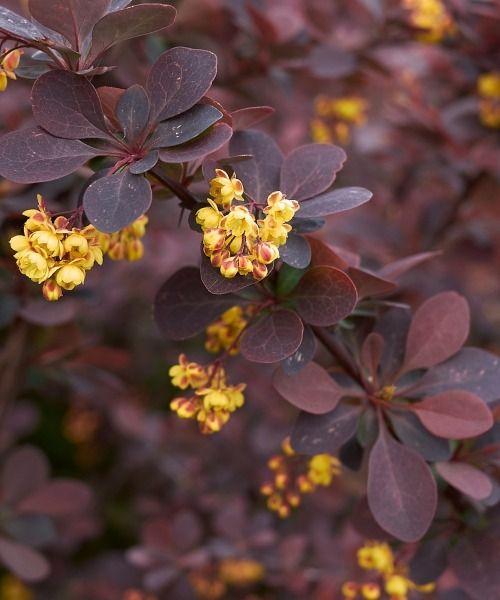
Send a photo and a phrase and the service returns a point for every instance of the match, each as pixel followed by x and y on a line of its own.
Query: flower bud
pixel 229 267
pixel 51 290
pixel 135 250
pixel 259 270
pixel 266 252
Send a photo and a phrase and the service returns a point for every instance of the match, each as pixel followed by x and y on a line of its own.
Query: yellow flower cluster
pixel 8 64
pixel 295 475
pixel 393 580
pixel 224 333
pixel 126 243
pixel 213 400
pixel 488 87
pixel 234 239
pixel 432 17
pixel 12 588
pixel 52 253
pixel 212 583
pixel 336 117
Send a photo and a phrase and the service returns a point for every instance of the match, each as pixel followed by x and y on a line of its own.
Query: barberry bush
pixel 249 310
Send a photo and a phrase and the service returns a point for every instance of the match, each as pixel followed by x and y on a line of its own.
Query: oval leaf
pixel 27 564
pixel 370 285
pixel 310 170
pixel 178 80
pixel 334 202
pixel 184 307
pixel 438 330
pixel 273 337
pixel 303 355
pixel 11 22
pixel 132 112
pixel 455 414
pixel 402 492
pixel 317 434
pixel 413 434
pixel 145 164
pixel 296 252
pixel 33 156
pixel 67 106
pixel 185 127
pixel 466 478
pixel 205 144
pixel 312 389
pixel 247 117
pixel 25 469
pixel 115 201
pixel 324 296
pixel 58 498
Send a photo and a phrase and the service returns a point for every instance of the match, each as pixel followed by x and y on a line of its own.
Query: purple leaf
pixel 296 252
pixel 395 269
pixel 454 414
pixel 430 560
pixel 317 434
pixel 324 296
pixel 247 117
pixel 330 62
pixel 471 369
pixel 24 470
pixel 323 255
pixel 303 355
pixel 67 106
pixel 184 127
pixel 132 112
pixel 205 144
pixel 312 389
pixel 33 156
pixel 115 201
pixel 261 174
pixel 184 307
pixel 371 353
pixel 402 492
pixel 11 22
pixel 24 562
pixel 73 19
pixel 438 330
pixel 393 327
pixel 178 80
pixel 370 285
pixel 58 498
pixel 129 23
pixel 145 164
pixel 466 478
pixel 413 434
pixel 32 530
pixel 273 337
pixel 334 202
pixel 217 284
pixel 47 314
pixel 310 170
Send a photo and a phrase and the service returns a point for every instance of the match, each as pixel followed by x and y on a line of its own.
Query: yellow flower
pixel 8 65
pixel 376 556
pixel 488 85
pixel 349 590
pixel 240 571
pixel 240 222
pixel 47 244
pixel 274 232
pixel 209 217
pixel 69 276
pixel 187 374
pixel 351 109
pixel 431 16
pixel 34 266
pixel 12 588
pixel 19 243
pixel 281 209
pixel 322 468
pixel 76 245
pixel 225 189
pixel 223 334
pixel 370 591
pixel 51 290
pixel 213 240
pixel 397 585
pixel 320 132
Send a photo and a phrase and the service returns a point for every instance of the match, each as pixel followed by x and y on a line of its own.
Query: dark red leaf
pixel 466 478
pixel 145 164
pixel 178 80
pixel 67 106
pixel 217 284
pixel 184 127
pixel 324 255
pixel 370 285
pixel 205 144
pixel 316 434
pixel 313 389
pixel 324 296
pixel 33 156
pixel 29 565
pixel 261 174
pixel 311 169
pixel 474 561
pixel 371 353
pixel 24 470
pixel 471 369
pixel 400 267
pixel 296 252
pixel 58 498
pixel 113 202
pixel 132 112
pixel 303 355
pixel 73 19
pixel 109 97
pixel 402 492
pixel 273 337
pixel 334 202
pixel 11 22
pixel 129 23
pixel 184 307
pixel 393 327
pixel 438 330
pixel 247 117
pixel 454 414
pixel 413 434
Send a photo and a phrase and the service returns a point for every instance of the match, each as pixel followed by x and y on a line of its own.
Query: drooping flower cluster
pixel 125 244
pixel 432 17
pixel 488 87
pixel 54 253
pixel 336 117
pixel 295 475
pixel 8 64
pixel 391 576
pixel 224 333
pixel 234 238
pixel 213 400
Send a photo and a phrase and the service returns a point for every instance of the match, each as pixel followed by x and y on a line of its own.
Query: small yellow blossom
pixel 370 591
pixel 335 117
pixel 225 189
pixel 209 217
pixel 488 86
pixel 224 333
pixel 187 374
pixel 8 64
pixel 432 17
pixel 376 556
pixel 323 468
pixel 241 572
pixel 125 244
